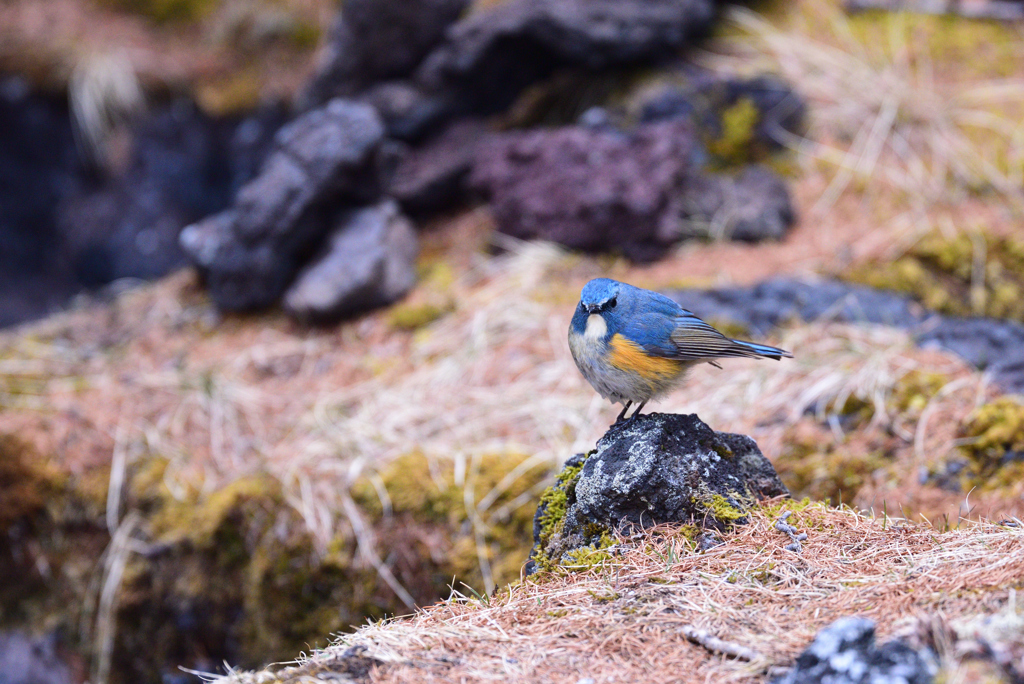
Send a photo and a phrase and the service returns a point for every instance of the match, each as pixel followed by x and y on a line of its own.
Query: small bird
pixel 633 345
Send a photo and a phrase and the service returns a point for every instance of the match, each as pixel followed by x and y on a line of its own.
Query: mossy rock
pixel 971 274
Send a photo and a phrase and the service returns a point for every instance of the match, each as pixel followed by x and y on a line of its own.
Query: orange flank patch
pixel 629 356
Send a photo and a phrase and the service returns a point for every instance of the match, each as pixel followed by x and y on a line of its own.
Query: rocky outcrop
pixel 378 40
pixel 581 187
pixel 845 653
pixel 368 262
pixel 641 191
pixel 654 469
pixel 489 57
pixel 329 159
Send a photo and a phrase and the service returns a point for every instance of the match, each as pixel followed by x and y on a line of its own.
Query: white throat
pixel 596 328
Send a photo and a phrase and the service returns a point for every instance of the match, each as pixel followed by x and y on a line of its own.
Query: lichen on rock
pixel 653 469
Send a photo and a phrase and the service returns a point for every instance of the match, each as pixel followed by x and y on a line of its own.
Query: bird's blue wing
pixel 679 334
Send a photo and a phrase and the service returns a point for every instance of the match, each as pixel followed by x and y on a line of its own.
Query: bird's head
pixel 599 295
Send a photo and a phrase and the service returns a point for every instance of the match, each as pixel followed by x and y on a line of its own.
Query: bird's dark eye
pixel 611 304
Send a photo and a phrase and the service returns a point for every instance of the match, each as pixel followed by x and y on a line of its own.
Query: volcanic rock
pixel 368 261
pixel 327 159
pixel 589 189
pixel 845 653
pixel 653 469
pixel 378 40
pixel 491 56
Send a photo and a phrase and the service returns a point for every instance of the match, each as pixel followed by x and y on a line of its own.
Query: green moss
pixel 592 555
pixel 162 11
pixel 738 130
pixel 720 508
pixel 424 493
pixel 416 316
pixel 971 274
pixel 994 430
pixel 913 391
pixel 822 470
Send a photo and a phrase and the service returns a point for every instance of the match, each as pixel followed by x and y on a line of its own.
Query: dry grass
pixel 637 617
pixel 898 101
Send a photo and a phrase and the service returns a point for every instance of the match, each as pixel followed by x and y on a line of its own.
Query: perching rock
pixel 752 206
pixel 378 40
pixel 491 56
pixel 328 159
pixel 845 653
pixel 655 469
pixel 589 189
pixel 369 261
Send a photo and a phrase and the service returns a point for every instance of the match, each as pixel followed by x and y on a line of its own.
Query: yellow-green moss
pixel 592 555
pixel 424 492
pixel 971 274
pixel 720 508
pixel 738 131
pixel 27 481
pixel 994 430
pixel 162 11
pixel 416 316
pixel 822 470
pixel 913 391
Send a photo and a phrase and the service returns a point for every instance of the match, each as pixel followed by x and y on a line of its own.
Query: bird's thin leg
pixel 637 412
pixel 622 414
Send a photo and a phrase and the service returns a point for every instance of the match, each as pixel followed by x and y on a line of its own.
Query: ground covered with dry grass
pixel 334 474
pixel 661 611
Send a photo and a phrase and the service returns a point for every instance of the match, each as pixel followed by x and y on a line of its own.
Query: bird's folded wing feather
pixel 681 336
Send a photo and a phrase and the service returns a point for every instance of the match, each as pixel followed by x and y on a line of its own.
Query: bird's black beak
pixel 591 308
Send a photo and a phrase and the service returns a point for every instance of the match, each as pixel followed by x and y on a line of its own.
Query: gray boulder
pixel 378 40
pixel 327 159
pixel 368 261
pixel 655 469
pixel 845 653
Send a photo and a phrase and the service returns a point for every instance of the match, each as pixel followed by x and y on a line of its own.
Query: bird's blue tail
pixel 764 350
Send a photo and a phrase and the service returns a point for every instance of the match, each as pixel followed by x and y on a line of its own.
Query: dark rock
pixel 491 56
pixel 752 206
pixel 704 98
pixel 369 261
pixel 378 40
pixel 845 653
pixel 324 160
pixel 589 189
pixel 24 660
pixel 39 164
pixel 408 113
pixel 993 345
pixel 761 307
pixel 184 165
pixel 655 469
pixel 64 227
pixel 434 176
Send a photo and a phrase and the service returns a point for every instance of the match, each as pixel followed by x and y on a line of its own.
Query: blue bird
pixel 633 345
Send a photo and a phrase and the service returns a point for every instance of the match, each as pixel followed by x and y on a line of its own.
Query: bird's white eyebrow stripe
pixel 597 328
